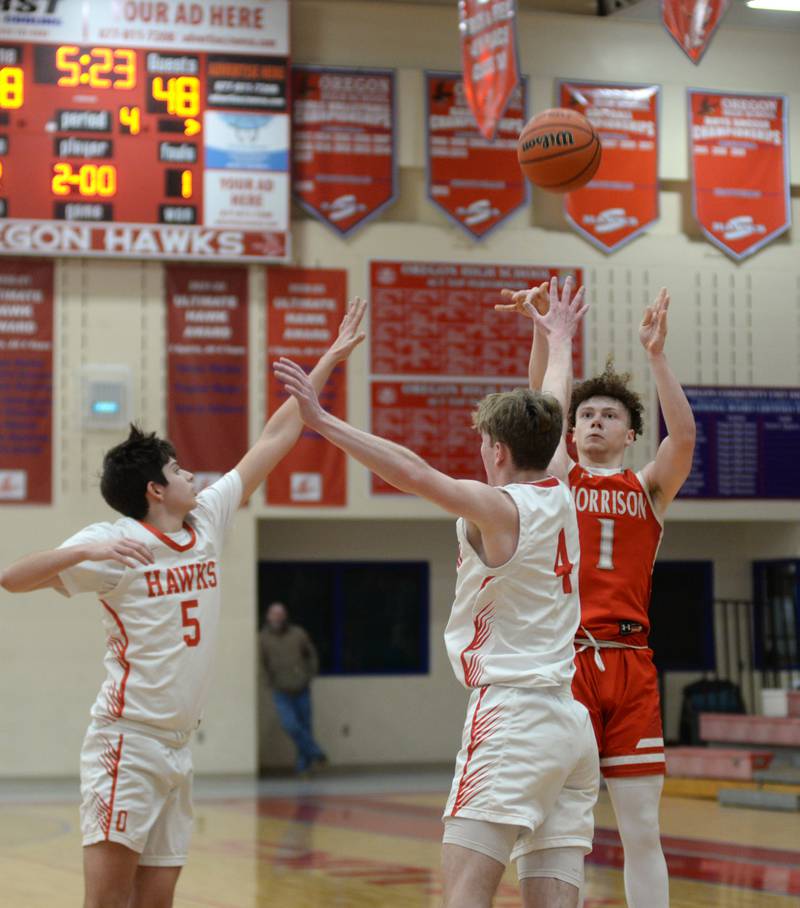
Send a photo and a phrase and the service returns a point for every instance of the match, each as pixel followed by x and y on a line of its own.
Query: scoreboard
pixel 108 149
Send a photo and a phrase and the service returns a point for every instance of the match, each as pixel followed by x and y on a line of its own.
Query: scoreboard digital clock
pixel 142 152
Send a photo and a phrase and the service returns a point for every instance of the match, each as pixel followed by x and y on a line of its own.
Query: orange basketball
pixel 558 150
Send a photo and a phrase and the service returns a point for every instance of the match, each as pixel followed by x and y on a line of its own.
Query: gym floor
pixel 373 840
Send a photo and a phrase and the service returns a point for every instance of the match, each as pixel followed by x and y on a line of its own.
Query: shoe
pixel 319 763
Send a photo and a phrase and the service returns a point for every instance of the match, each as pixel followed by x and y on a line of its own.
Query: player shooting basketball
pixel 620 515
pixel 156 573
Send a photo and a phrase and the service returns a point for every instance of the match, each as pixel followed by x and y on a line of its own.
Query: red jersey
pixel 620 535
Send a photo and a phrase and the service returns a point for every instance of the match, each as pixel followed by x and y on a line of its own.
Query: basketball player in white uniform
pixel 527 774
pixel 157 575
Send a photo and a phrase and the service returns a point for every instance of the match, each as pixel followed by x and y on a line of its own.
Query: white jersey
pixel 160 619
pixel 514 624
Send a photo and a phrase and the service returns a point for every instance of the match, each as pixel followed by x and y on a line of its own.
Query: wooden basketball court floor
pixel 372 841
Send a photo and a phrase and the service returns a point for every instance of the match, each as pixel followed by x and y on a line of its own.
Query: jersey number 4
pixel 563 566
pixel 191 638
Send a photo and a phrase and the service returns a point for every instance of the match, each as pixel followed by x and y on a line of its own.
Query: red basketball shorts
pixel 624 706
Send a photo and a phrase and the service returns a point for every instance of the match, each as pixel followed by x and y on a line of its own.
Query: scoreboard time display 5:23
pixel 98 144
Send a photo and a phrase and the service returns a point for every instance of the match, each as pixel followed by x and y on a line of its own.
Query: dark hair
pixel 609 384
pixel 129 467
pixel 527 422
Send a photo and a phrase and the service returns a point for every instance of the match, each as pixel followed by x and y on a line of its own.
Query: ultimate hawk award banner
pixel 489 58
pixel 621 201
pixel 739 169
pixel 304 309
pixel 692 23
pixel 26 382
pixel 207 367
pixel 476 182
pixel 344 168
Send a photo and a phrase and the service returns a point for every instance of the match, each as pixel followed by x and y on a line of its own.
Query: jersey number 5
pixel 193 638
pixel 563 566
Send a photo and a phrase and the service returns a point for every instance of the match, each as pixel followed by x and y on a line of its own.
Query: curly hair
pixel 609 384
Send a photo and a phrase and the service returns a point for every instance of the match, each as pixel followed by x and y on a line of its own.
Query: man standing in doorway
pixel 290 662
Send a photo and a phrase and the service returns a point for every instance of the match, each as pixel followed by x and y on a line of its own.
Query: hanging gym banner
pixel 739 168
pixel 304 309
pixel 207 372
pixel 489 58
pixel 692 23
pixel 26 381
pixel 621 201
pixel 437 346
pixel 477 183
pixel 344 169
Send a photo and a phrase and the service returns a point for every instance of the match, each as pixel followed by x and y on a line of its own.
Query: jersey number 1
pixel 563 566
pixel 193 638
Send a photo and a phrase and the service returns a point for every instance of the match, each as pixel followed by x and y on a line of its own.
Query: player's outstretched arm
pixel 559 326
pixel 284 426
pixel 41 569
pixel 539 298
pixel 400 467
pixel 673 462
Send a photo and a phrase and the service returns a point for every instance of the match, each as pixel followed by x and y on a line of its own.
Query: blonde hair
pixel 527 422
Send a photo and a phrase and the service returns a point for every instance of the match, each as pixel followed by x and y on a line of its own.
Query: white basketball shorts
pixel 136 790
pixel 528 758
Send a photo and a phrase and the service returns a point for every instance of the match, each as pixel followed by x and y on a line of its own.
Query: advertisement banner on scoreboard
pixel 26 382
pixel 740 168
pixel 748 443
pixel 621 201
pixel 207 371
pixel 476 182
pixel 344 168
pixel 304 309
pixel 247 26
pixel 692 23
pixel 488 58
pixel 437 346
pixel 116 150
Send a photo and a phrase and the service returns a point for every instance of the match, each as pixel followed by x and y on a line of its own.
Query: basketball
pixel 558 150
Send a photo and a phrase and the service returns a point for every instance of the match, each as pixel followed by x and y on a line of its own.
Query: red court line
pixel 744 866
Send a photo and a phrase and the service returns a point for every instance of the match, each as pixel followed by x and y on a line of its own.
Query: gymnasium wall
pixel 729 324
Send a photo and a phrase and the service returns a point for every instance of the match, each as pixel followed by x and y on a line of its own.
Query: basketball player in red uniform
pixel 620 514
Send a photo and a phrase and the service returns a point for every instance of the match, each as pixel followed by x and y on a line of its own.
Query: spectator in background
pixel 290 662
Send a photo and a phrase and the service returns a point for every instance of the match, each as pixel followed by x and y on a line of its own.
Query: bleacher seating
pixel 716 762
pixel 774 731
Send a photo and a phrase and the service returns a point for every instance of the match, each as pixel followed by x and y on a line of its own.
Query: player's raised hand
pixel 564 313
pixel 125 551
pixel 653 329
pixel 349 335
pixel 538 297
pixel 298 385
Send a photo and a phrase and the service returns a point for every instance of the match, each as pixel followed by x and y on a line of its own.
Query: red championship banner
pixel 304 309
pixel 489 58
pixel 621 201
pixel 207 372
pixel 343 157
pixel 26 381
pixel 477 183
pixel 740 169
pixel 692 23
pixel 437 346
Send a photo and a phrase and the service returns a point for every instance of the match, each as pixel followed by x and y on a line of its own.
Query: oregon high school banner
pixel 304 309
pixel 26 381
pixel 621 200
pixel 489 58
pixel 476 182
pixel 740 168
pixel 692 23
pixel 207 367
pixel 343 155
pixel 437 346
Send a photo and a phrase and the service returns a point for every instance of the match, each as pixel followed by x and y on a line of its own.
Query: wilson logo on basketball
pixel 561 139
